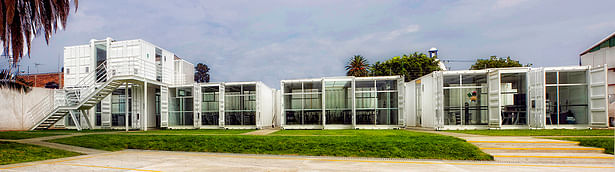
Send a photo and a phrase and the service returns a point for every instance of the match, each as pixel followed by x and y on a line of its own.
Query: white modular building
pixel 236 105
pixel 509 98
pixel 134 84
pixel 342 103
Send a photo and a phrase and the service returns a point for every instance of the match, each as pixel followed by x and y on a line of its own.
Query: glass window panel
pixel 574 77
pixel 573 105
pixel 451 80
pixel 551 77
pixel 474 108
pixel 513 98
pixel 312 101
pixel 315 86
pixel 387 100
pixel 452 106
pixel 551 105
pixel 366 117
pixel 386 117
pixel 474 79
pixel 338 102
pixel 292 87
pixel 365 100
pixel 365 86
pixel 386 85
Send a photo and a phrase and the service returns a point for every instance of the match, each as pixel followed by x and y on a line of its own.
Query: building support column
pixel 144 117
pixel 86 116
pixel 77 123
pixel 126 105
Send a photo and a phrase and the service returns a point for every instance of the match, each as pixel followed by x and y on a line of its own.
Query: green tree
pixel 495 62
pixel 201 73
pixel 410 66
pixel 357 66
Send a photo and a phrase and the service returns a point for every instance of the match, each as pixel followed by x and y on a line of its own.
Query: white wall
pixel 14 106
pixel 184 72
pixel 265 106
pixel 410 103
pixel 76 60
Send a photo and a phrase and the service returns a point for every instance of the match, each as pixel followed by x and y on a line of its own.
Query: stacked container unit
pixel 509 98
pixel 234 105
pixel 344 103
pixel 125 59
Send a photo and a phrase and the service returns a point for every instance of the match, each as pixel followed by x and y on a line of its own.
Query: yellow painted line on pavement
pixel 584 157
pixel 371 161
pixel 117 168
pixel 547 148
pixel 477 141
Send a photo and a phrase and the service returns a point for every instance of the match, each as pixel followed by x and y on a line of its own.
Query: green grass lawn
pixel 600 142
pixel 192 131
pixel 360 143
pixel 347 133
pixel 16 135
pixel 11 153
pixel 546 132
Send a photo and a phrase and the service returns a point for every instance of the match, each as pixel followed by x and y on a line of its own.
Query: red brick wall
pixel 39 80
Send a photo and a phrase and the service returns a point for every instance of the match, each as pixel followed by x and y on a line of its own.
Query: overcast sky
pixel 274 40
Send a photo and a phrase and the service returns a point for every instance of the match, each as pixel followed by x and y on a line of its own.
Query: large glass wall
pixel 118 108
pixel 513 98
pixel 566 97
pixel 210 105
pixel 303 103
pixel 465 99
pixel 240 104
pixel 376 102
pixel 338 102
pixel 181 107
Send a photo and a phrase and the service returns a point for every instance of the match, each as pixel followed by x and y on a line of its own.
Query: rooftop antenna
pixel 36 66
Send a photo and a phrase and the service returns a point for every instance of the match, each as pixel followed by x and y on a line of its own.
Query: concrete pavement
pixel 141 160
pixel 519 149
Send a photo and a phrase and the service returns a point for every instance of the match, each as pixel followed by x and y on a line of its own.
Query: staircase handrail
pixel 40 110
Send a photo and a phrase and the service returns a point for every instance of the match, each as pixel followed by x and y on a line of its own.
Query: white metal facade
pixel 552 97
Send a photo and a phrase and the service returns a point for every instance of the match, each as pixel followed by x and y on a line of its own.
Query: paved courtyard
pixel 141 160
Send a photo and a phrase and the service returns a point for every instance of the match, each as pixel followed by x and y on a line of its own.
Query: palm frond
pixel 22 19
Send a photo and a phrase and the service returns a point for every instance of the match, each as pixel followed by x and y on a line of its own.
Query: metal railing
pixel 102 76
pixel 41 109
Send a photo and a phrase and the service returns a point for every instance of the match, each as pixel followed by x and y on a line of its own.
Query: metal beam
pixel 72 115
pixel 87 118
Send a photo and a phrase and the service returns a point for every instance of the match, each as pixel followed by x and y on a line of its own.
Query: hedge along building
pixel 509 98
pixel 134 84
pixel 342 103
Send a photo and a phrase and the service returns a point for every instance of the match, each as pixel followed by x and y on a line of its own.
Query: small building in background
pixel 44 80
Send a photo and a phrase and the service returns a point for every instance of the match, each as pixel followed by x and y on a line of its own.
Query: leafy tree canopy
pixel 495 62
pixel 410 66
pixel 201 73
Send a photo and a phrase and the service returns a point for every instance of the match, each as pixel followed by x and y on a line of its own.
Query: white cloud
pixel 399 32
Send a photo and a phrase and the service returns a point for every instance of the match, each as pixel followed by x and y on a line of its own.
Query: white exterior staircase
pixel 75 100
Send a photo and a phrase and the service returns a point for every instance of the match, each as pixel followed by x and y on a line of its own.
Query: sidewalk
pixel 533 150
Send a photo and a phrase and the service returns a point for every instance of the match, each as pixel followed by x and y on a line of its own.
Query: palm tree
pixel 20 20
pixel 357 66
